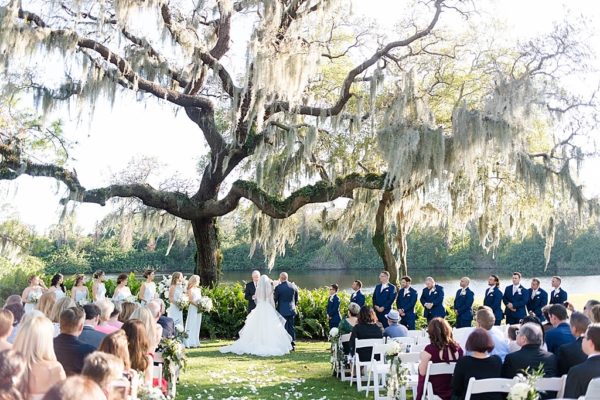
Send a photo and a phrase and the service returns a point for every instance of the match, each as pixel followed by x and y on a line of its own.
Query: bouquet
pixel 337 352
pixel 163 287
pixel 82 302
pixel 150 393
pixel 205 304
pixel 525 389
pixel 180 333
pixel 130 299
pixel 34 297
pixel 183 302
pixel 394 348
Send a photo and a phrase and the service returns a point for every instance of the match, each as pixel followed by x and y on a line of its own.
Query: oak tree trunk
pixel 208 255
pixel 379 238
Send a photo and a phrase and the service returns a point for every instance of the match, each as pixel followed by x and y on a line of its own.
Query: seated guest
pixel 394 329
pixel 561 334
pixel 514 329
pixel 580 375
pixel 12 368
pixel 127 309
pixel 61 305
pixel 114 317
pixel 154 309
pixel 70 352
pixel 46 302
pixel 348 323
pixel 116 344
pixel 34 343
pixel 479 364
pixel 106 309
pixel 442 349
pixel 145 315
pixel 529 338
pixel 76 388
pixel 16 309
pixel 595 313
pixel 106 370
pixel 587 309
pixel 546 326
pixel 13 299
pixel 333 307
pixel 571 354
pixel 167 324
pixel 366 328
pixel 89 334
pixel 6 327
pixel 486 319
pixel 139 349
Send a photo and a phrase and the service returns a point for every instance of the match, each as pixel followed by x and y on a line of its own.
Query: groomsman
pixel 493 298
pixel 537 299
pixel 407 298
pixel 333 307
pixel 383 297
pixel 463 304
pixel 515 298
pixel 357 297
pixel 250 291
pixel 557 296
pixel 432 299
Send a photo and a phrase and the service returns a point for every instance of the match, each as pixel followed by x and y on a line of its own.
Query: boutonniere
pixel 434 292
pixel 519 291
pixel 491 293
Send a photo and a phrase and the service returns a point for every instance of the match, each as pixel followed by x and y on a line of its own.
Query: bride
pixel 264 333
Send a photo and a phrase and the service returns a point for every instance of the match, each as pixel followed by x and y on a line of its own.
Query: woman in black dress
pixel 366 328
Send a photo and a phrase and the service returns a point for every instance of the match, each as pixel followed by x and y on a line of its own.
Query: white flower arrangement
pixel 130 299
pixel 150 393
pixel 394 348
pixel 334 332
pixel 163 287
pixel 520 391
pixel 205 305
pixel 34 297
pixel 183 302
pixel 82 302
pixel 524 389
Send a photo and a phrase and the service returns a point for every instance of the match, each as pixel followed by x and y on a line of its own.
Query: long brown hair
pixel 116 344
pixel 440 334
pixel 138 344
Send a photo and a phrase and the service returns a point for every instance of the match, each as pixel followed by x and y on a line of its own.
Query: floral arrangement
pixel 337 352
pixel 399 373
pixel 34 297
pixel 205 305
pixel 150 393
pixel 163 287
pixel 180 333
pixel 130 299
pixel 174 357
pixel 183 302
pixel 525 389
pixel 82 302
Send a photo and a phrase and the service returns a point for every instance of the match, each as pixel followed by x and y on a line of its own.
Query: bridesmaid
pixel 147 291
pixel 79 293
pixel 57 286
pixel 175 292
pixel 122 291
pixel 98 288
pixel 194 317
pixel 32 293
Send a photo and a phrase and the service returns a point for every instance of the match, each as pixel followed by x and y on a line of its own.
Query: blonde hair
pixel 175 277
pixel 145 315
pixel 46 303
pixel 193 280
pixel 6 322
pixel 60 306
pixel 102 368
pixel 106 308
pixel 126 310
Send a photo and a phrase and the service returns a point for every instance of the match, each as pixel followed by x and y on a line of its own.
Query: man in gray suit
pixel 286 299
pixel 90 335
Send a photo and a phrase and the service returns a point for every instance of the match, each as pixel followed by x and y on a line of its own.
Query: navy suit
pixel 384 299
pixel 558 336
pixel 91 336
pixel 579 377
pixel 493 299
pixel 558 298
pixel 358 298
pixel 518 300
pixel 70 352
pixel 463 304
pixel 249 292
pixel 168 325
pixel 286 298
pixel 535 305
pixel 406 302
pixel 333 311
pixel 436 297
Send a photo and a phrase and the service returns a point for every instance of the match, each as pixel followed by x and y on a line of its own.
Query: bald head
pixel 154 308
pixel 283 276
pixel 255 275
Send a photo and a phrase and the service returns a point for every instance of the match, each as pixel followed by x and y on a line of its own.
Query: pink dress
pixel 116 324
pixel 108 329
pixel 442 384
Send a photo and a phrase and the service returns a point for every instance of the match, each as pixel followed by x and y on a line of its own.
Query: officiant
pixel 250 291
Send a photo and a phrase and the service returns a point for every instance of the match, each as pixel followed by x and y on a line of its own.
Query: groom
pixel 286 298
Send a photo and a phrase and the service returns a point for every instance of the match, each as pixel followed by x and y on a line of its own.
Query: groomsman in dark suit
pixel 493 298
pixel 515 298
pixel 463 304
pixel 407 298
pixel 357 297
pixel 432 299
pixel 538 298
pixel 580 375
pixel 333 307
pixel 250 291
pixel 383 297
pixel 558 296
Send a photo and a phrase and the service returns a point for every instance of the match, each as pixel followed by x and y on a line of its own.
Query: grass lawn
pixel 304 374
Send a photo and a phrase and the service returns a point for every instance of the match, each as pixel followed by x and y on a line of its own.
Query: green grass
pixel 303 374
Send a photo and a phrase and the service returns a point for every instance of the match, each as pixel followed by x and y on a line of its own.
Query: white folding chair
pixel 461 335
pixel 342 371
pixel 357 364
pixel 552 385
pixel 593 390
pixel 417 348
pixel 435 369
pixel 411 361
pixel 492 385
pixel 406 340
pixel 378 368
pixel 423 340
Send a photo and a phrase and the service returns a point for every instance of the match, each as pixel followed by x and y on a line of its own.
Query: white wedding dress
pixel 264 333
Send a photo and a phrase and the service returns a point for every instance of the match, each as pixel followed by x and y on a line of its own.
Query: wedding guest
pixel 538 298
pixel 366 328
pixel 17 312
pixel 561 334
pixel 71 352
pixel 106 370
pixel 117 345
pixel 493 298
pixel 79 292
pixel 126 310
pixel 432 299
pixel 13 299
pixel 139 348
pixel 463 304
pixel 486 320
pixel 595 313
pixel 406 301
pixel 587 309
pixel 57 286
pixel 194 317
pixel 34 343
pixel 478 364
pixel 357 296
pixel 513 330
pixel 383 297
pixel 46 302
pixel 394 329
pixel 12 368
pixel 348 324
pixel 6 327
pixel 167 324
pixel 114 317
pixel 580 375
pixel 443 348
pixel 32 293
pixel 175 293
pixel 250 291
pixel 145 316
pixel 63 304
pixel 122 291
pixel 90 335
pixel 515 298
pixel 546 325
pixel 558 295
pixel 530 355
pixel 98 287
pixel 333 307
pixel 106 308
pixel 75 388
pixel 147 291
pixel 572 354
pixel 154 309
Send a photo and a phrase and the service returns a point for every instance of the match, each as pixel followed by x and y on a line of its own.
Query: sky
pixel 134 129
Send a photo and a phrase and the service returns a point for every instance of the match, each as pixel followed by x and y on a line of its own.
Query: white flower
pixel 519 391
pixel 205 304
pixel 394 348
pixel 82 302
pixel 34 297
pixel 334 332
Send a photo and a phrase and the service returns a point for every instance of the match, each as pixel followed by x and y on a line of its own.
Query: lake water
pixel 319 278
